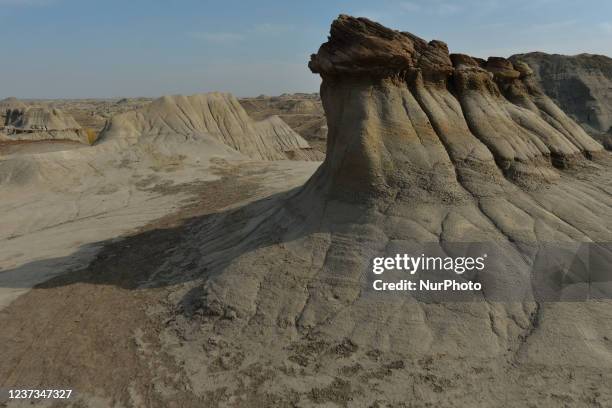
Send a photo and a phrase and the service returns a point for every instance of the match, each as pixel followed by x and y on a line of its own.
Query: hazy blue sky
pixel 86 48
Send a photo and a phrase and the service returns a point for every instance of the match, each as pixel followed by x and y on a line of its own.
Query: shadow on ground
pixel 137 261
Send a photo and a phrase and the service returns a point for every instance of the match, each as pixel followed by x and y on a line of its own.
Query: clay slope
pixel 215 118
pixel 303 112
pixel 426 151
pixel 581 85
pixel 21 122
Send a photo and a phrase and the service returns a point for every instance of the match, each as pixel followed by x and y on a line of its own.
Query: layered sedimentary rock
pixel 426 151
pixel 21 122
pixel 214 118
pixel 581 85
pixel 486 112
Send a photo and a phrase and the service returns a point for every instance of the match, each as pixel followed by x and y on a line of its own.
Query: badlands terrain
pixel 208 251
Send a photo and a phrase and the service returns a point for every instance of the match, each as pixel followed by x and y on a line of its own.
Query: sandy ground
pixel 24 147
pixel 90 326
pixel 58 212
pixel 47 228
pixel 103 316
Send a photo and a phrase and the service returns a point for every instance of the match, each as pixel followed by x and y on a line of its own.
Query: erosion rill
pixel 426 150
pixel 18 122
pixel 581 85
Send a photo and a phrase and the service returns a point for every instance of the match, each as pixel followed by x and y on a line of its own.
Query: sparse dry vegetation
pixel 92 135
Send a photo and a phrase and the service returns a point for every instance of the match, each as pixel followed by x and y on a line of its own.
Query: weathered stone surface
pixel 216 119
pixel 358 46
pixel 271 302
pixel 581 85
pixel 384 90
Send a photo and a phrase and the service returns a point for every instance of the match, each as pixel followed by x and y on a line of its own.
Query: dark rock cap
pixel 359 46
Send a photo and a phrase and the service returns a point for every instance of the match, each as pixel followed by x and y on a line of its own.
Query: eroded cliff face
pixel 581 85
pixel 398 106
pixel 19 122
pixel 214 120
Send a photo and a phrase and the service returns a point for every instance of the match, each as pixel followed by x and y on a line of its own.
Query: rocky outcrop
pixel 34 123
pixel 213 118
pixel 384 90
pixel 581 85
pixel 427 151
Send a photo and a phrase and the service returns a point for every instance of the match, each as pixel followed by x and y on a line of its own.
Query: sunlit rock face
pixel 398 105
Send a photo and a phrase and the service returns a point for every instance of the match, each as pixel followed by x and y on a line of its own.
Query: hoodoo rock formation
pixel 425 148
pixel 581 85
pixel 216 119
pixel 399 90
